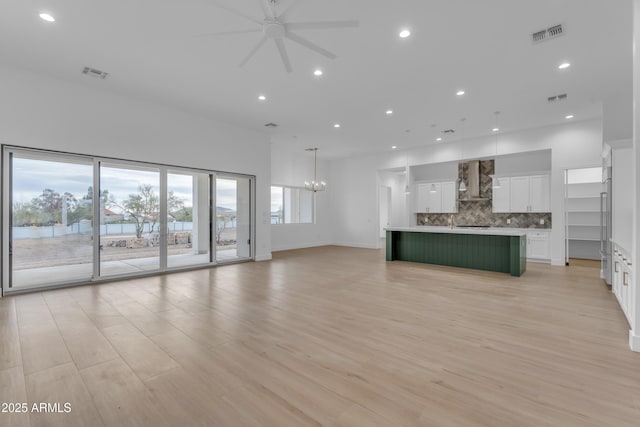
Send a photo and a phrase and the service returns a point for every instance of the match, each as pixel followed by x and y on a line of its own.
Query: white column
pixel 634 334
pixel 200 213
pixel 243 217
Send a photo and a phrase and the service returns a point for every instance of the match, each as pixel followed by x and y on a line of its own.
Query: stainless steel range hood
pixel 473 177
pixel 472 183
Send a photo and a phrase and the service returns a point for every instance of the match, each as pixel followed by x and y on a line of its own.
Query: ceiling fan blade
pixel 283 54
pixel 224 33
pixel 306 43
pixel 266 10
pixel 262 41
pixel 322 25
pixel 237 12
pixel 285 13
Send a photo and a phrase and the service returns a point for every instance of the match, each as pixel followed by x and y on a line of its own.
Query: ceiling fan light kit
pixel 276 27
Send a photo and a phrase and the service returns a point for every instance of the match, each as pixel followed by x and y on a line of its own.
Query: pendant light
pixel 315 185
pixel 407 189
pixel 462 186
pixel 496 181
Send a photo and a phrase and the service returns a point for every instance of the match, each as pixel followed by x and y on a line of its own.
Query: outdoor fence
pixel 85 227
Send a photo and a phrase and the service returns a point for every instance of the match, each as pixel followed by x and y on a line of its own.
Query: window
pixel 291 205
pixel 71 219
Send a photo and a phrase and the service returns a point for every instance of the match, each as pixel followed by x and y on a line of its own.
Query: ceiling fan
pixel 275 27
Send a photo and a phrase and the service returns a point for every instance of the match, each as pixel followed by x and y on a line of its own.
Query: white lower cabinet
pixel 622 271
pixel 538 245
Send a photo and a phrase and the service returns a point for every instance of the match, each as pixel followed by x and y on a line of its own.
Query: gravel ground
pixel 77 249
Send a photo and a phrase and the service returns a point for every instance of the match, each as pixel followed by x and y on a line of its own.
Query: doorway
pixel 385 209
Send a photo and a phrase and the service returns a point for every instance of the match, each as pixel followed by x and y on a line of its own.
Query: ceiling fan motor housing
pixel 274 29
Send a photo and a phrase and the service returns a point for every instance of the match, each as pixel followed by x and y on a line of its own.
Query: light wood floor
pixel 325 336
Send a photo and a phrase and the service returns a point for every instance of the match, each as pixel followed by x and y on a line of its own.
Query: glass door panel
pixel 129 219
pixel 233 218
pixel 188 219
pixel 51 220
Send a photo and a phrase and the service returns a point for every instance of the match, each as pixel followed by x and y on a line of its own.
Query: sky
pixel 31 176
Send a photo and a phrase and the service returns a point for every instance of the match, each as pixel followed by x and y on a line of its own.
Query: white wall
pixel 573 145
pixel 40 112
pixel 634 334
pixel 293 168
pixel 622 162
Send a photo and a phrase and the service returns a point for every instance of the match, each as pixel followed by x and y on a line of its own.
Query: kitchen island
pixel 491 249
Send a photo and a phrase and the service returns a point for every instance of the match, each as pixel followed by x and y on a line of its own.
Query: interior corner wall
pixel 293 168
pixel 354 205
pixel 38 111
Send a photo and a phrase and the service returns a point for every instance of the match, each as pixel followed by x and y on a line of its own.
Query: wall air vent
pixel 555 98
pixel 271 125
pixel 548 33
pixel 94 73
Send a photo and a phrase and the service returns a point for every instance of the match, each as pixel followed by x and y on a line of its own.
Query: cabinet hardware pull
pixel 616 269
pixel 625 279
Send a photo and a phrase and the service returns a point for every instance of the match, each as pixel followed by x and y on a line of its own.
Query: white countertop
pixel 493 231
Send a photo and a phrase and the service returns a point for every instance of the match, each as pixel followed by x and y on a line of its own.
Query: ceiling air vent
pixel 548 33
pixel 271 125
pixel 94 73
pixel 555 98
pixel 448 131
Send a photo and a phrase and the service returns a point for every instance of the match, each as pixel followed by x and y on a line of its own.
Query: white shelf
pixel 583 220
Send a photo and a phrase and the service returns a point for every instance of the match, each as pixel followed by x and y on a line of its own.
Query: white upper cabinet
pixel 539 193
pixel 449 202
pixel 519 191
pixel 436 197
pixel 501 200
pixel 530 193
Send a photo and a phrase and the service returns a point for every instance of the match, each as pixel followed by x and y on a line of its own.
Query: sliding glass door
pixel 189 219
pixel 50 215
pixel 71 219
pixel 233 218
pixel 129 219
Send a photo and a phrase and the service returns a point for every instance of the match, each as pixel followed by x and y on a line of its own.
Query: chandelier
pixel 315 185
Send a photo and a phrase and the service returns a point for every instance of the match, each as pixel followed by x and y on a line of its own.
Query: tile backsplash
pixel 480 212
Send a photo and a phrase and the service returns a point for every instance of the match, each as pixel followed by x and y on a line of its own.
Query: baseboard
pixel 302 246
pixel 634 341
pixel 354 245
pixel 265 257
pixel 539 260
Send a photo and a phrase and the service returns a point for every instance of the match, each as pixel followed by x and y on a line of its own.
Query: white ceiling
pixel 158 50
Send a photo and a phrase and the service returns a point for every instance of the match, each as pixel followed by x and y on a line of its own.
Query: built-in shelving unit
pixel 583 220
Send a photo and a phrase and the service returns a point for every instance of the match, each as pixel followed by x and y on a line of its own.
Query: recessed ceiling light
pixel 47 17
pixel 570 116
pixel 318 72
pixel 262 98
pixel 389 112
pixel 564 65
pixel 404 34
pixel 438 139
pixel 393 147
pixel 495 130
pixel 460 93
pixel 337 125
